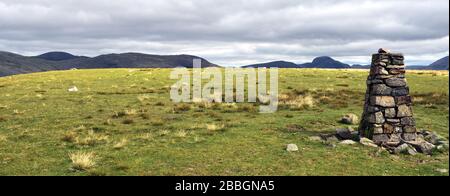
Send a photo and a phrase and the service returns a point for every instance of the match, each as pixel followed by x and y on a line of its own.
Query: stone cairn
pixel 388 117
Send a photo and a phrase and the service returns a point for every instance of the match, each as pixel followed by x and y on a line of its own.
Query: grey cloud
pixel 240 30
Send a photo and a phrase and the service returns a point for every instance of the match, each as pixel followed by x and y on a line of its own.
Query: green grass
pixel 126 120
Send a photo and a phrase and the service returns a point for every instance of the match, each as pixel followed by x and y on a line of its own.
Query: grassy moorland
pixel 122 122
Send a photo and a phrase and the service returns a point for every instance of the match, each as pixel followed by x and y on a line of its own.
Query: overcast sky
pixel 229 32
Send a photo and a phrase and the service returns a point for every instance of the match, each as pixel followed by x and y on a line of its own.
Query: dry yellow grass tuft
pixel 146 136
pixel 91 139
pixel 130 112
pixel 181 133
pixel 69 137
pixel 82 160
pixel 3 138
pixel 183 107
pixel 203 104
pixel 80 128
pixel 297 101
pixel 163 132
pixel 143 98
pixel 157 122
pixel 214 127
pixel 121 144
pixel 18 112
pixel 88 98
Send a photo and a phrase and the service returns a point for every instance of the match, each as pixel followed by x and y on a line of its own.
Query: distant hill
pixel 279 64
pixel 441 64
pixel 325 62
pixel 11 63
pixel 57 56
pixel 319 62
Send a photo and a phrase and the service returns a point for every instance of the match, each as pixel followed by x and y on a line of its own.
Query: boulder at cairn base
pixel 388 116
pixel 350 119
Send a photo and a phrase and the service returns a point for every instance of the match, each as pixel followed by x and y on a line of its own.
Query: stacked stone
pixel 388 117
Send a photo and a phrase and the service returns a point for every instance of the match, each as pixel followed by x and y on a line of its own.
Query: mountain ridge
pixel 441 64
pixel 57 56
pixel 12 63
pixel 326 62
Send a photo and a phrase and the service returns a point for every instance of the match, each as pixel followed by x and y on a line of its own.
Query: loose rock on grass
pixel 73 89
pixel 350 119
pixel 292 148
pixel 427 142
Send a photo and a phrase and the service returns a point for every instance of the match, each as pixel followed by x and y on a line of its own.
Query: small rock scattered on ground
pixel 350 119
pixel 405 149
pixel 315 138
pixel 346 133
pixel 348 142
pixel 367 142
pixel 292 148
pixel 442 170
pixel 423 146
pixel 73 89
pixel 427 142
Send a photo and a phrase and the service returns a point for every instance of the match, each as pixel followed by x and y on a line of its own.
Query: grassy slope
pixel 40 123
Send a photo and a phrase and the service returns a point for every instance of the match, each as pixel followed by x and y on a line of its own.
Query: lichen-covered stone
pixel 377 130
pixel 377 118
pixel 374 81
pixel 402 91
pixel 399 56
pixel 380 138
pixel 396 82
pixel 404 111
pixel 383 101
pixel 372 109
pixel 397 62
pixel 383 51
pixel 403 100
pixel 382 77
pixel 380 58
pixel 390 129
pixel 397 71
pixel 379 70
pixel 394 139
pixel 390 113
pixel 408 121
pixel 396 67
pixel 409 136
pixel 397 59
pixel 409 129
pixel 393 120
pixel 381 89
